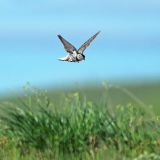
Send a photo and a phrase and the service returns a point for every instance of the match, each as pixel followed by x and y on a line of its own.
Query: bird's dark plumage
pixel 74 54
pixel 68 46
pixel 87 43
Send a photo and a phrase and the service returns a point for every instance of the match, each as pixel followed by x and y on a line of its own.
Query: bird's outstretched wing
pixel 87 43
pixel 68 47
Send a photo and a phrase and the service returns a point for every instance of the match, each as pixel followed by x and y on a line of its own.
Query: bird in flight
pixel 74 54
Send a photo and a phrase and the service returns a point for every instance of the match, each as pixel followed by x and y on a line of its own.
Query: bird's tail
pixel 63 58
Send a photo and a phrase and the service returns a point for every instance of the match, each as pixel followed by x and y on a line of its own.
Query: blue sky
pixel 127 48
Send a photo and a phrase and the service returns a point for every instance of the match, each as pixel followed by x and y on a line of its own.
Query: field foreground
pixel 71 125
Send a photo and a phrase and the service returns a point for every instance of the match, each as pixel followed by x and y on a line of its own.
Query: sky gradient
pixel 127 48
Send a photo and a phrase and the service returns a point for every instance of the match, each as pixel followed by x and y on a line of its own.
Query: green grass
pixel 79 125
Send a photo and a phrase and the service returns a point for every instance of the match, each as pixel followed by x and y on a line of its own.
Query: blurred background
pixel 127 49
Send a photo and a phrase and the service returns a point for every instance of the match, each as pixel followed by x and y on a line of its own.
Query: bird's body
pixel 75 57
pixel 74 54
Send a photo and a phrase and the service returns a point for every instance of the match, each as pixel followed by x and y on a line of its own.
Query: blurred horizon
pixel 127 49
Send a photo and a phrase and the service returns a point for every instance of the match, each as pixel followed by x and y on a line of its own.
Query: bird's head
pixel 80 57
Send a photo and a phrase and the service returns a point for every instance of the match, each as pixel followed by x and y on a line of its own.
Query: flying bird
pixel 74 54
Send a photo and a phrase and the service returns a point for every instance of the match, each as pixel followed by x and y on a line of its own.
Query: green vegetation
pixel 81 124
